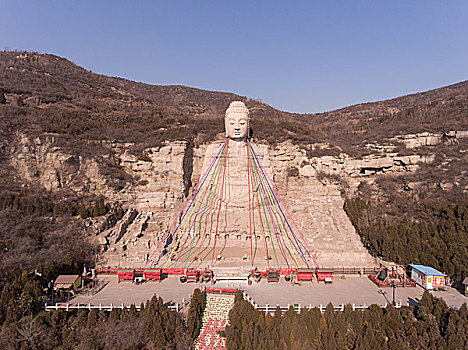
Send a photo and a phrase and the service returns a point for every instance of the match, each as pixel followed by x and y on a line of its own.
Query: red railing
pixel 390 283
pixel 285 272
pixel 174 271
pixel 152 274
pixel 107 270
pixel 221 290
pixel 322 275
pixel 126 275
pixel 303 276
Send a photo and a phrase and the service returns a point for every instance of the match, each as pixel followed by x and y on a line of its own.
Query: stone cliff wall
pixel 154 188
pixel 430 139
pixel 119 176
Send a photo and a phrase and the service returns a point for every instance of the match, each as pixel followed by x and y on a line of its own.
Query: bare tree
pixel 30 331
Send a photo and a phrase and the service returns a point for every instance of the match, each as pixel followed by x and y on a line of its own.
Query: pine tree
pixel 197 305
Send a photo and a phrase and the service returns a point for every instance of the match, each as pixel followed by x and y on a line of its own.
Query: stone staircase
pixel 215 318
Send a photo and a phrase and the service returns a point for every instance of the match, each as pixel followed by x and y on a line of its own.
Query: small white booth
pixel 427 277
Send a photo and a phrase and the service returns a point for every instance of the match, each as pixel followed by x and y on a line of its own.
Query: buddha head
pixel 237 121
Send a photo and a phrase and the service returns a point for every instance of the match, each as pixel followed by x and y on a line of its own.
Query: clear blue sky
pixel 299 56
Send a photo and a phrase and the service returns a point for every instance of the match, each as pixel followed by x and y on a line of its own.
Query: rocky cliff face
pixel 384 158
pixel 152 189
pixel 117 175
pixel 430 139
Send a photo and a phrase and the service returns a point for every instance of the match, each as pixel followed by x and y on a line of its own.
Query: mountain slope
pixel 80 135
pixel 94 105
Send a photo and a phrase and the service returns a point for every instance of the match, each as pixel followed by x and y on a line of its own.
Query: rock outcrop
pixel 119 176
pixel 430 139
pixel 369 165
pixel 151 189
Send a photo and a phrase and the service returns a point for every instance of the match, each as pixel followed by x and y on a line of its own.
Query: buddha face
pixel 237 125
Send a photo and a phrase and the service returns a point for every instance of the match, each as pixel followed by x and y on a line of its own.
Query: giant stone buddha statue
pixel 235 199
pixel 237 121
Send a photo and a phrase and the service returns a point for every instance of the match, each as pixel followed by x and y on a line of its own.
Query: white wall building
pixel 427 277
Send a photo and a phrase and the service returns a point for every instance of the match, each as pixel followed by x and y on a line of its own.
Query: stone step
pixel 215 318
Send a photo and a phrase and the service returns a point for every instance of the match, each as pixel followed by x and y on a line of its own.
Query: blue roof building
pixel 427 277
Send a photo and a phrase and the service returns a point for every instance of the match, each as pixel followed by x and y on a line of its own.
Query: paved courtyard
pixel 358 290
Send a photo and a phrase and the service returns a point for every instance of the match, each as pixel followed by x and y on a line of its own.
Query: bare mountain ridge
pixel 438 110
pixel 54 79
pixel 49 83
pixel 451 91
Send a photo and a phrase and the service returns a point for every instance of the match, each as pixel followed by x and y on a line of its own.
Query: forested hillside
pixel 418 217
pixel 23 325
pixel 430 325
